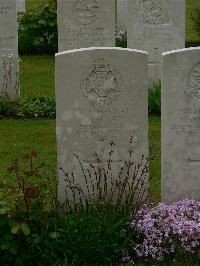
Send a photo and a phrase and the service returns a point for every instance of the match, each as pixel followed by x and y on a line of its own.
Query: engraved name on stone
pixel 87 35
pixel 189 116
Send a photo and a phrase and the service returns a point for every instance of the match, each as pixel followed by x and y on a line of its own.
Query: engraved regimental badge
pixel 194 81
pixel 155 12
pixel 101 84
pixel 86 11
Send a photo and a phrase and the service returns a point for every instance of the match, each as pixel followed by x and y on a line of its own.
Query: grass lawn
pixel 155 155
pixel 37 76
pixel 21 137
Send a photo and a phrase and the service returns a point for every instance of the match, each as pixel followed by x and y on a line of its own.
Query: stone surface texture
pixel 156 26
pixel 88 23
pixel 122 14
pixel 181 124
pixel 101 96
pixel 21 6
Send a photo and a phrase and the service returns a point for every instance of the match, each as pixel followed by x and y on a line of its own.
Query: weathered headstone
pixel 156 26
pixel 8 50
pixel 181 124
pixel 121 14
pixel 88 23
pixel 101 96
pixel 9 73
pixel 21 6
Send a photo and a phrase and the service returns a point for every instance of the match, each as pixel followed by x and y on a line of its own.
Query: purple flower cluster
pixel 168 228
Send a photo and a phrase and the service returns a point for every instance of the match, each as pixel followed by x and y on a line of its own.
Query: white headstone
pixel 181 124
pixel 21 6
pixel 88 23
pixel 9 73
pixel 101 96
pixel 122 14
pixel 156 26
pixel 8 50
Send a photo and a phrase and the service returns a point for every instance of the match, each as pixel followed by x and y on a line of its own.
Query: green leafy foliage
pixel 45 234
pixel 28 108
pixel 9 244
pixel 28 187
pixel 7 108
pixel 38 29
pixel 155 99
pixel 196 20
pixel 85 238
pixel 34 229
pixel 27 197
pixel 37 108
pixel 121 43
pixel 25 229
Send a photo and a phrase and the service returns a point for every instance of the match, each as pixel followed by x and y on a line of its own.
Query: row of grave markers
pixel 154 26
pixel 102 93
pixel 106 97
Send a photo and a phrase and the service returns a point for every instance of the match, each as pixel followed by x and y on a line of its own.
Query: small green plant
pixel 89 237
pixel 37 108
pixel 155 99
pixel 25 197
pixel 35 230
pixel 9 244
pixel 28 186
pixel 121 37
pixel 7 108
pixel 127 186
pixel 28 108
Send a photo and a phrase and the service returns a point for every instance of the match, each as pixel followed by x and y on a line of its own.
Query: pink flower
pixel 167 228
